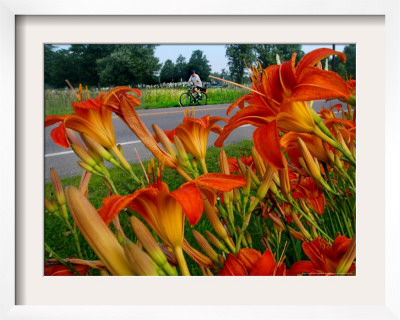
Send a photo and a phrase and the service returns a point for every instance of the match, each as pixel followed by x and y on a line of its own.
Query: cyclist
pixel 195 79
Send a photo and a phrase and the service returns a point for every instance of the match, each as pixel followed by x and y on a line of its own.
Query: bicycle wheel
pixel 185 99
pixel 203 99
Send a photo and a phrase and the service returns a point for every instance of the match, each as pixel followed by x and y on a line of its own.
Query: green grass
pixel 58 102
pixel 63 244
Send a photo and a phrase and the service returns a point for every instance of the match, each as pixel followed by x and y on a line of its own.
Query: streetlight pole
pixel 333 58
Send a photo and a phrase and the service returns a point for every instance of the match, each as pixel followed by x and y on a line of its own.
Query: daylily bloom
pixel 61 270
pixel 90 117
pixel 251 262
pixel 234 167
pixel 313 143
pixel 278 101
pixel 193 133
pixel 165 211
pixel 325 258
pixel 309 190
pixel 123 105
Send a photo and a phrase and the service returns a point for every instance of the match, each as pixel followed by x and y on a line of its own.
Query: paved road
pixel 65 161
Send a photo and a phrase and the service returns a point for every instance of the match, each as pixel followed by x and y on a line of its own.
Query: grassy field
pixel 60 101
pixel 62 242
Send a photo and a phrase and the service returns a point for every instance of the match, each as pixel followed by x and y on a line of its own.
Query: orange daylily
pixel 193 132
pixel 248 161
pixel 90 117
pixel 123 104
pixel 61 270
pixel 313 143
pixel 325 258
pixel 307 189
pixel 152 202
pixel 165 211
pixel 278 101
pixel 251 262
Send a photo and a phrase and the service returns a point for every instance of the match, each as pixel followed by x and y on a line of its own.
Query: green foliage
pixel 181 69
pixel 128 65
pixel 76 64
pixel 168 72
pixel 60 101
pixel 266 53
pixel 239 55
pixel 347 70
pixel 62 242
pixel 200 63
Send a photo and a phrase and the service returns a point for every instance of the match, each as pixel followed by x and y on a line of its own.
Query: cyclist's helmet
pixel 192 71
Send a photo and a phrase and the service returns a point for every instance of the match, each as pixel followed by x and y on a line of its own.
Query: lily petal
pixel 266 141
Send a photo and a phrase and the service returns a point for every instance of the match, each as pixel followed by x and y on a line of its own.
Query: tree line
pixel 103 65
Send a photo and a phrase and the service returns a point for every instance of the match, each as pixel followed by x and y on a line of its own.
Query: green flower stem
pixel 181 261
pixel 203 165
pixel 61 260
pixel 323 132
pixel 76 238
pixel 303 214
pixel 169 269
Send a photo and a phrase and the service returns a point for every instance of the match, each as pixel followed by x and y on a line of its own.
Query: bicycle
pixel 189 98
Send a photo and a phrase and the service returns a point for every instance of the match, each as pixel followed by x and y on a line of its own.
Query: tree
pixel 239 55
pixel 266 53
pixel 48 63
pixel 347 70
pixel 129 65
pixel 181 69
pixel 77 64
pixel 200 64
pixel 168 72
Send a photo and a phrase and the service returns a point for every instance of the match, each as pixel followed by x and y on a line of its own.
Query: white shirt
pixel 196 80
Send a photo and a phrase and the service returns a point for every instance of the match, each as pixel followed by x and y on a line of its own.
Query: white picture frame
pixel 11 179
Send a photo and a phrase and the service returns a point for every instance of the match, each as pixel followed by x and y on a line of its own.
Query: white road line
pixel 57 153
pixel 122 144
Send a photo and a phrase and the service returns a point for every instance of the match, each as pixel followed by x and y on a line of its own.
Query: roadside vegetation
pixel 59 101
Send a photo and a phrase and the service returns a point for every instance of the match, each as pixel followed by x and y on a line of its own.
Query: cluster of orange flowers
pixel 295 194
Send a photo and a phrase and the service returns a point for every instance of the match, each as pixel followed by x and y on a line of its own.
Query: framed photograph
pixel 27 25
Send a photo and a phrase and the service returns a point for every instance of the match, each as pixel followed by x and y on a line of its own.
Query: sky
pixel 214 53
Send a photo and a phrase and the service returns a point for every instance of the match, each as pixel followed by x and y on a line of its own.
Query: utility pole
pixel 333 58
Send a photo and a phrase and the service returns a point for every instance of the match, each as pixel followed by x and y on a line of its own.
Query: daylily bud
pixel 242 166
pixel 97 234
pixel 59 192
pixel 309 162
pixel 180 148
pixel 214 240
pixel 258 162
pixel 84 155
pixel 249 240
pixel 223 162
pixel 284 180
pixel 164 140
pixel 150 244
pixel 301 226
pixel 119 147
pixel 50 206
pixel 99 149
pixel 206 246
pixel 88 168
pixel 140 262
pixel 215 222
pixel 197 256
pixel 265 183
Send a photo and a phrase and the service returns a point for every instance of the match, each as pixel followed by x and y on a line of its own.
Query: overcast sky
pixel 214 53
